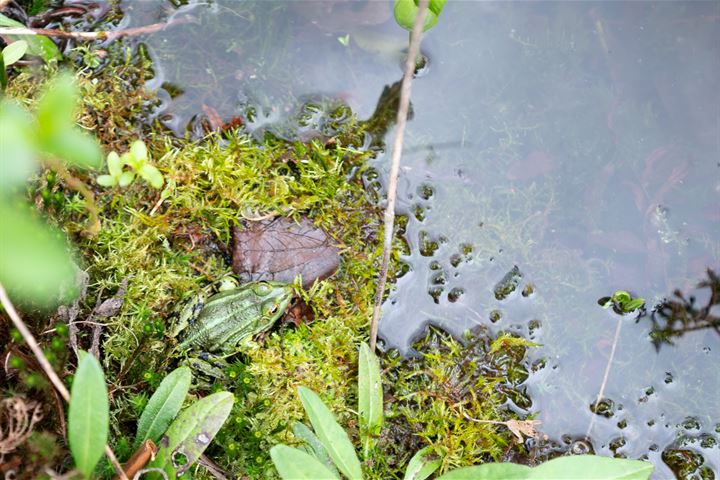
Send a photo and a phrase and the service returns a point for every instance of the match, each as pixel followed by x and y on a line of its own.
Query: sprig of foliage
pixel 137 159
pixel 406 10
pixel 622 302
pixel 38 45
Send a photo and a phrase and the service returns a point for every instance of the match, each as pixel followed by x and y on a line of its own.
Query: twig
pixel 605 375
pixel 45 364
pixel 395 165
pixel 102 35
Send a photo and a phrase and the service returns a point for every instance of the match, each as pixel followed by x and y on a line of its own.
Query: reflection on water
pixel 558 152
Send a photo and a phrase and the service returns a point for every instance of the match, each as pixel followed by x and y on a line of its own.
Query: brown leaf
pixel 279 249
pixel 523 427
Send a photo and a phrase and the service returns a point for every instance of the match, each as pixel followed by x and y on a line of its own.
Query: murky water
pixel 558 152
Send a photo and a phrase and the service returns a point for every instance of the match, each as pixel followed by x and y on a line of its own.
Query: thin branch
pixel 605 375
pixel 102 35
pixel 45 364
pixel 402 114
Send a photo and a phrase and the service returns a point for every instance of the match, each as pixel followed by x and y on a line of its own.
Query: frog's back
pixel 225 319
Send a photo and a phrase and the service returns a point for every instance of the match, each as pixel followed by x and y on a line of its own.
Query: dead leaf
pixel 279 249
pixel 523 427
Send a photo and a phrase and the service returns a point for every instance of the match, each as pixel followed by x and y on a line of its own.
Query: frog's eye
pixel 262 289
pixel 272 309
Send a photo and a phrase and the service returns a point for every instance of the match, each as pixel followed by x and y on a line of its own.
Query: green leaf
pixel 422 465
pixel 114 164
pixel 489 471
pixel 56 108
pixel 587 467
pixel 14 52
pixel 294 464
pixel 106 181
pixel 436 6
pixel 18 159
pixel 139 152
pixel 406 10
pixel 331 434
pixel 74 147
pixel 152 175
pixel 163 406
pixel 191 432
pixel 591 467
pixel 88 415
pixel 303 432
pixel 38 45
pixel 3 74
pixel 634 304
pixel 34 258
pixel 126 178
pixel 621 296
pixel 370 397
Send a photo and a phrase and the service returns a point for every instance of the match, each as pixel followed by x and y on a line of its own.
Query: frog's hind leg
pixel 208 364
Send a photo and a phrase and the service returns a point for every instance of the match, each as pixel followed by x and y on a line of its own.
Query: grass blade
pixel 422 465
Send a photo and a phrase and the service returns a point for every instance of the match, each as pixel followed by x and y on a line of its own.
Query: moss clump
pixel 437 397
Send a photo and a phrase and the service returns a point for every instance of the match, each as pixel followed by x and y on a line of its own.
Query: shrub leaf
pixel 333 437
pixel 422 465
pixel 88 415
pixel 294 464
pixel 163 406
pixel 370 396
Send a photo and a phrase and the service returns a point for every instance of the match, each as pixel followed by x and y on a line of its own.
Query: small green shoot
pixel 9 55
pixel 406 10
pixel 38 45
pixel 137 159
pixel 622 302
pixel 344 40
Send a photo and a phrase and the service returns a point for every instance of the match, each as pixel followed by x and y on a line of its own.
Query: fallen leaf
pixel 279 249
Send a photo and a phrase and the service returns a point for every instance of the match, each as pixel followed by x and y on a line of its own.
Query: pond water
pixel 557 152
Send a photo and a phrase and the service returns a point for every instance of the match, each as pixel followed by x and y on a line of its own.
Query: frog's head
pixel 273 297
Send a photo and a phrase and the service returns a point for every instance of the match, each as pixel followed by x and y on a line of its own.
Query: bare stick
pixel 45 364
pixel 395 165
pixel 102 35
pixel 605 375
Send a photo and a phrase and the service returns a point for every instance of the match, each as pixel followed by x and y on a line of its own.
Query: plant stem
pixel 45 364
pixel 402 114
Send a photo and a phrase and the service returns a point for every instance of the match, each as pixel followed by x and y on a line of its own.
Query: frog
pixel 209 326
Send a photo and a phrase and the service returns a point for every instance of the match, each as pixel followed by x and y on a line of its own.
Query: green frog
pixel 209 326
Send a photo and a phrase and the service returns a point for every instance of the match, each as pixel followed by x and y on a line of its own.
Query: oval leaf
pixel 191 432
pixel 303 432
pixel 34 258
pixel 333 437
pixel 17 135
pixel 370 396
pixel 14 52
pixel 106 181
pixel 152 175
pixel 126 178
pixel 163 406
pixel 74 146
pixel 489 471
pixel 592 467
pixel 422 465
pixel 405 12
pixel 294 464
pixel 88 415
